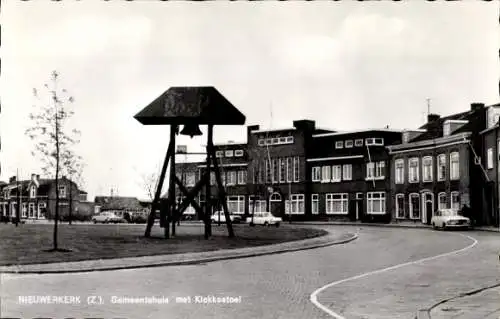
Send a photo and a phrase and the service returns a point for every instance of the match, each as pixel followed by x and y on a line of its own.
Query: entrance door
pixel 275 204
pixel 427 207
pixel 359 205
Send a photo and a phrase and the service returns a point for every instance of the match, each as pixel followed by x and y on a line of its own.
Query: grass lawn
pixel 27 244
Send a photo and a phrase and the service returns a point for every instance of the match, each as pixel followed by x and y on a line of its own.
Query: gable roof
pixel 434 129
pixel 118 203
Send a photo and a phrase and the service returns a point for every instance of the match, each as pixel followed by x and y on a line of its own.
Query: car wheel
pixel 95 221
pixel 277 225
pixel 251 224
pixel 443 227
pixel 434 226
pixel 266 224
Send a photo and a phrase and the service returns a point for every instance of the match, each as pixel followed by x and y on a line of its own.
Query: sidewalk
pixel 180 259
pixel 483 304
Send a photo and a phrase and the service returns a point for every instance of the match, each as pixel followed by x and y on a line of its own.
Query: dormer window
pixel 446 128
pixel 339 144
pixel 33 192
pixel 62 191
pixel 358 142
pixel 219 154
pixel 374 141
pixel 406 137
pixel 348 144
pixel 229 153
pixel 289 139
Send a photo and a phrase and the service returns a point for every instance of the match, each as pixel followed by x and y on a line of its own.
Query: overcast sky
pixel 347 65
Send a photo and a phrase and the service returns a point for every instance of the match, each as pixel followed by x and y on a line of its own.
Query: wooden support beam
pixel 208 210
pixel 191 200
pixel 171 187
pixel 222 191
pixel 193 192
pixel 154 204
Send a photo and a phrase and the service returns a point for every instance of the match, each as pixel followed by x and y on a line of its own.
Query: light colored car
pixel 264 218
pixel 107 217
pixel 220 215
pixel 449 218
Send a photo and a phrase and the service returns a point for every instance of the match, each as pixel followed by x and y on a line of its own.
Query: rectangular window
pixel 31 210
pixel 190 179
pixel 260 205
pixel 358 142
pixel 289 139
pixel 231 178
pixel 455 200
pixel 446 128
pixel 62 191
pixel 282 140
pixel 326 174
pixel 400 206
pixel 213 181
pixel 296 169
pixel 413 170
pixel 375 203
pixel 442 201
pixel 242 177
pixel 380 170
pixel 441 167
pixel 347 172
pixel 336 173
pixel 339 144
pixel 269 141
pixel 276 170
pixel 370 170
pixel 276 140
pixel 348 144
pixel 236 204
pixel 400 171
pixel 337 203
pixel 33 192
pixel 297 204
pixel 238 153
pixel 229 153
pixel 289 169
pixel 374 141
pixel 42 209
pixel 489 157
pixel 315 203
pixel 24 210
pixel 282 170
pixel 269 171
pixel 316 174
pixel 219 154
pixel 454 166
pixel 427 169
pixel 262 142
pixel 414 206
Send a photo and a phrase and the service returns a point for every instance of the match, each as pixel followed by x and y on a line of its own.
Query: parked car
pixel 220 215
pixel 449 218
pixel 265 218
pixel 107 217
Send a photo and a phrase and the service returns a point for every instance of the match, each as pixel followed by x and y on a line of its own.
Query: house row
pixel 381 175
pixel 36 199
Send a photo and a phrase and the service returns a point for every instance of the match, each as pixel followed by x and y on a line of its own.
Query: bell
pixel 191 130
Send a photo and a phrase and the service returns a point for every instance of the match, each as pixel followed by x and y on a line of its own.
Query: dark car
pixel 138 218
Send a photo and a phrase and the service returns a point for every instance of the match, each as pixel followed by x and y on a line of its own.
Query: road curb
pixel 231 254
pixel 426 313
pixel 416 226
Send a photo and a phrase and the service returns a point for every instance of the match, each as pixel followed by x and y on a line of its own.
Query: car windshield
pixel 449 212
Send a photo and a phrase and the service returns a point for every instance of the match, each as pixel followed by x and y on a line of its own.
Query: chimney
pixel 37 177
pixel 433 117
pixel 476 106
pixel 12 179
pixel 33 177
pixel 305 125
pixel 252 128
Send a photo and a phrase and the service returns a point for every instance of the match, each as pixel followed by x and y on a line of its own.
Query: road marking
pixel 314 295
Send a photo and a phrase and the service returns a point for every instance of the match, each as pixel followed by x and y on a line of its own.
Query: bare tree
pixel 51 136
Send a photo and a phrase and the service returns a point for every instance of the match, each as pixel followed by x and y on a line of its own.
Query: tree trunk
pixel 56 215
pixel 70 214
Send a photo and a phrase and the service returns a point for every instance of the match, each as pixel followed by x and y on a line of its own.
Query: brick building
pixel 36 197
pixel 350 174
pixel 439 166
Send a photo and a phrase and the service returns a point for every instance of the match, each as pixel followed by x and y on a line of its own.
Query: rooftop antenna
pixel 428 106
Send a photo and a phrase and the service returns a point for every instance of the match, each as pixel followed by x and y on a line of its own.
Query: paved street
pixel 280 286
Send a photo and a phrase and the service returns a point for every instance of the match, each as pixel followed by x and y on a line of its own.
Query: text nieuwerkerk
pixel 96 300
